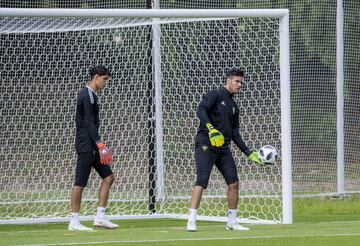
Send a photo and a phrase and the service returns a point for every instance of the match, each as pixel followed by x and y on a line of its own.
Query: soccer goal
pixel 162 63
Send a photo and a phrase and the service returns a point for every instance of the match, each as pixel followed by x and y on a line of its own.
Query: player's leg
pixel 205 160
pixel 104 190
pixel 196 195
pixel 233 195
pixel 108 178
pixel 83 168
pixel 76 195
pixel 227 167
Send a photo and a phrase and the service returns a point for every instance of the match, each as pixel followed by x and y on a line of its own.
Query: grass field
pixel 317 221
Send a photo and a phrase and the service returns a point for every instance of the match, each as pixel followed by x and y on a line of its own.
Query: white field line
pixel 197 239
pixel 15 232
pixel 164 228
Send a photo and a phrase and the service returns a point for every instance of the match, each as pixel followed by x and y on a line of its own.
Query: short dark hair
pixel 235 72
pixel 99 70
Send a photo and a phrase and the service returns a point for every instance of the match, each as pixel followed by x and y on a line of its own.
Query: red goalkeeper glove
pixel 104 152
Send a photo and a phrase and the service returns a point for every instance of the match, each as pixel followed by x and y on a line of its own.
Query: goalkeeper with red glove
pixel 219 125
pixel 92 152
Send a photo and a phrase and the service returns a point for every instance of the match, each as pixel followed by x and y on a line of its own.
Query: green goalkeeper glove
pixel 255 157
pixel 216 138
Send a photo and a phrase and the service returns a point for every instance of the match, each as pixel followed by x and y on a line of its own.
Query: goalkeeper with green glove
pixel 219 125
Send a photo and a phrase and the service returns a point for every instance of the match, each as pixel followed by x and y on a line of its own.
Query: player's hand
pixel 255 157
pixel 216 138
pixel 104 152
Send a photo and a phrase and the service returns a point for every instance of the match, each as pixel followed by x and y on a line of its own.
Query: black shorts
pixel 206 157
pixel 84 164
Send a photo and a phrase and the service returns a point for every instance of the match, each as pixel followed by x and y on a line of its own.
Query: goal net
pixel 161 67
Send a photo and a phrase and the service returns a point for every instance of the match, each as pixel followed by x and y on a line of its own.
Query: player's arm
pixel 252 155
pixel 240 142
pixel 89 116
pixel 208 102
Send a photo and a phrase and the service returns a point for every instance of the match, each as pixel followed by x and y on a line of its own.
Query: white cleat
pixel 105 224
pixel 236 227
pixel 191 226
pixel 78 227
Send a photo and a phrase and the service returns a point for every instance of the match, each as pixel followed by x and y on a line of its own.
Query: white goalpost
pixel 162 62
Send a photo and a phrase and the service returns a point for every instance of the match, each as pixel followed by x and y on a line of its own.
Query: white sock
pixel 192 214
pixel 100 213
pixel 232 216
pixel 74 218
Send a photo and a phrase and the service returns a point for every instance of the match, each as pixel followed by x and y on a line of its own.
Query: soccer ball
pixel 268 154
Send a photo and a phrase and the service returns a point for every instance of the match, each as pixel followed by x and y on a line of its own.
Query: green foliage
pixel 318 129
pixel 199 4
pixel 316 22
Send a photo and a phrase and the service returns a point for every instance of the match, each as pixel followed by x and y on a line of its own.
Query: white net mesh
pixel 351 97
pixel 313 70
pixel 313 84
pixel 313 96
pixel 44 66
pixel 92 4
pixel 197 65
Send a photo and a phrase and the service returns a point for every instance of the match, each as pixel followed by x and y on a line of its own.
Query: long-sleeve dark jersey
pixel 87 121
pixel 219 108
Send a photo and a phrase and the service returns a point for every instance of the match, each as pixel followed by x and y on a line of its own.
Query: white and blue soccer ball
pixel 268 154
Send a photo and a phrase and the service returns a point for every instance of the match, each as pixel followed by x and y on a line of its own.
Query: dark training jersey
pixel 87 121
pixel 219 108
